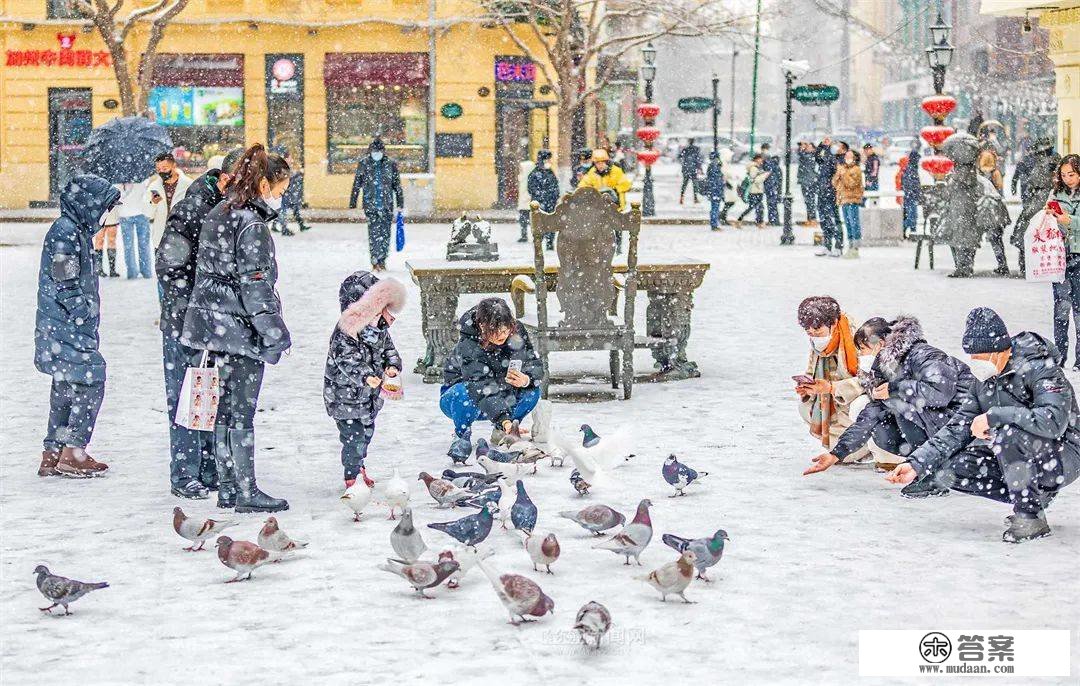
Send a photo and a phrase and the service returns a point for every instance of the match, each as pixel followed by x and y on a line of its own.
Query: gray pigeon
pixel 406 540
pixel 62 591
pixel 708 550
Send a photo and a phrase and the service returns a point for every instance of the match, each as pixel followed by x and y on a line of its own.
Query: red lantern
pixel 648 134
pixel 936 135
pixel 648 156
pixel 938 106
pixel 937 165
pixel 648 110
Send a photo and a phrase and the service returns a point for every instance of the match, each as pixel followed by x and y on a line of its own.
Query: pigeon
pixel 596 518
pixel 197 531
pixel 523 512
pixel 542 550
pixel 674 577
pixel 483 449
pixel 466 560
pixel 406 540
pixel 634 536
pixel 520 595
pixel 421 575
pixel 593 457
pixel 492 495
pixel 356 498
pixel 470 529
pixel 679 475
pixel 242 557
pixel 473 481
pixel 707 550
pixel 396 493
pixel 273 538
pixel 589 438
pixel 593 620
pixel 444 492
pixel 62 591
pixel 507 496
pixel 580 484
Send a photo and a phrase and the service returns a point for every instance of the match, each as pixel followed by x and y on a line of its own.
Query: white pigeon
pixel 491 466
pixel 593 619
pixel 356 498
pixel 396 493
pixel 507 496
pixel 543 550
pixel 596 460
pixel 198 530
pixel 674 577
pixel 540 429
pixel 466 560
pixel 272 538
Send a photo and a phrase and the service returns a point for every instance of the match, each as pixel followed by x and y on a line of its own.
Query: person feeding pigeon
pixel 492 373
pixel 361 356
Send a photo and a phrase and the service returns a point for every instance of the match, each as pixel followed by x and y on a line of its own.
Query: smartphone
pixel 515 366
pixel 1055 207
pixel 803 379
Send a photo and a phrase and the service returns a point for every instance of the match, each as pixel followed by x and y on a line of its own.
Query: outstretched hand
pixel 902 474
pixel 821 463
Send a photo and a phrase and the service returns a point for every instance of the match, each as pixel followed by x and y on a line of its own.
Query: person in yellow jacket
pixel 606 177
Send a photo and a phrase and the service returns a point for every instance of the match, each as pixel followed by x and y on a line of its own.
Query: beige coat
pixel 159 212
pixel 846 389
pixel 848 182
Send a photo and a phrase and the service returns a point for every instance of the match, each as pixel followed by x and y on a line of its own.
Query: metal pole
pixel 788 236
pixel 648 202
pixel 715 113
pixel 731 105
pixel 431 119
pixel 753 88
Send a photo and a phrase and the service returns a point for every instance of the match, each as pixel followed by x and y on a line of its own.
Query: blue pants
pixel 852 221
pixel 455 404
pixel 714 212
pixel 911 214
pixel 831 236
pixel 73 411
pixel 187 449
pixel 772 201
pixel 136 229
pixel 379 221
pixel 355 437
pixel 809 195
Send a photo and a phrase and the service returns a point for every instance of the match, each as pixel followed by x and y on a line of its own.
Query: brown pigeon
pixel 443 491
pixel 543 550
pixel 242 556
pixel 197 531
pixel 520 595
pixel 271 537
pixel 421 575
pixel 596 518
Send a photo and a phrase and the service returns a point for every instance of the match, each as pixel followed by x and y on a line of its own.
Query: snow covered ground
pixel 810 562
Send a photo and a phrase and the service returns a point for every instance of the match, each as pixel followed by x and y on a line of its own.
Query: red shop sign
pixel 389 68
pixel 515 71
pixel 57 58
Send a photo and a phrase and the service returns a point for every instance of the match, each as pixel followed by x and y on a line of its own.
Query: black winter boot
pixel 112 264
pixel 226 497
pixel 926 486
pixel 99 263
pixel 248 496
pixel 1026 527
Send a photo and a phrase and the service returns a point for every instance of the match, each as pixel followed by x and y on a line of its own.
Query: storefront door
pixel 285 104
pixel 511 148
pixel 70 122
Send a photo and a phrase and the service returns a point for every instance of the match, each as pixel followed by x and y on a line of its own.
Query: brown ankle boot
pixel 48 463
pixel 75 462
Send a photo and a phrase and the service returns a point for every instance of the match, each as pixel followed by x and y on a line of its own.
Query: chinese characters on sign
pixel 514 71
pixel 61 58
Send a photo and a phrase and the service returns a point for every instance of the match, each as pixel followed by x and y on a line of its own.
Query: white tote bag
pixel 197 406
pixel 1044 249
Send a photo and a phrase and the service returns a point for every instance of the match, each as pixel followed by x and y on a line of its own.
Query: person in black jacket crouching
pixel 1016 437
pixel 235 313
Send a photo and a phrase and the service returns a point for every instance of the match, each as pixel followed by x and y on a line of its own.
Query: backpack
pixel 744 189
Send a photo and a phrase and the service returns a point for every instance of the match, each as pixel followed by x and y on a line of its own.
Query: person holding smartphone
pixel 1064 205
pixel 492 373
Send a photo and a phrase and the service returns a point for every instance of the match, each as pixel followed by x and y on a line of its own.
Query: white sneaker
pixel 821 251
pixel 835 252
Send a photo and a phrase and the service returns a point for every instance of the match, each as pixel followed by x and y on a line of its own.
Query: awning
pixel 1019 7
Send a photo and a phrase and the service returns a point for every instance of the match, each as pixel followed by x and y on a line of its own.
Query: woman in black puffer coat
pixel 235 313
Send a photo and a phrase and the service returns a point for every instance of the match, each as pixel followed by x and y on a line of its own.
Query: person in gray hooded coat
pixel 361 355
pixel 66 330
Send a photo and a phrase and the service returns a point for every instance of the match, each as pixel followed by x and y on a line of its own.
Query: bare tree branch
pixel 138 14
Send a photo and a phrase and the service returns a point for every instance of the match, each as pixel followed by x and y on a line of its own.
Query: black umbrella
pixel 123 150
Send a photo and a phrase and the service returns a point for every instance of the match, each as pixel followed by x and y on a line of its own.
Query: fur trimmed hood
pixel 364 296
pixel 906 332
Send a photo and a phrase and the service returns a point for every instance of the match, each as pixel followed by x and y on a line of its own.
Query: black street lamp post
pixel 648 73
pixel 939 54
pixel 788 235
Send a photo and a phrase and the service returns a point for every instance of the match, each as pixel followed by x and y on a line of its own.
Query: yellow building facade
pixel 457 105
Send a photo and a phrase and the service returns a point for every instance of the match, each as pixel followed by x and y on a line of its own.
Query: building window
pixel 62 9
pixel 377 94
pixel 200 100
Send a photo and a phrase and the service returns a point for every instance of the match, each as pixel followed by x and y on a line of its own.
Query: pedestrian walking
pixel 610 180
pixel 581 167
pixel 360 358
pixel 163 190
pixel 135 230
pixel 911 187
pixel 292 202
pixel 543 188
pixel 235 313
pixel 806 175
pixel 378 180
pixel 1038 182
pixel 104 243
pixel 755 192
pixel 690 165
pixel 192 467
pixel 832 241
pixel 773 184
pixel 848 182
pixel 66 329
pixel 715 186
pixel 1064 205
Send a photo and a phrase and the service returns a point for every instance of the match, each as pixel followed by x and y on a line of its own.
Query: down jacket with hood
pixel 1030 394
pixel 68 305
pixel 483 370
pixel 361 346
pixel 926 385
pixel 234 307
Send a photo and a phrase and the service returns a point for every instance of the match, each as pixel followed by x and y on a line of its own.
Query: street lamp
pixel 939 54
pixel 792 71
pixel 648 133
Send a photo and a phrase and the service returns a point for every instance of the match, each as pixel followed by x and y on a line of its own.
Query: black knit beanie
pixel 985 332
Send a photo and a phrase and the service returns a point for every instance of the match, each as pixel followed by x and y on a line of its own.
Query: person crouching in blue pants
pixel 492 373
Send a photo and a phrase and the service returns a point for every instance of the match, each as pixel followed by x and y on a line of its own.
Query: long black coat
pixel 174 259
pixel 775 178
pixel 234 307
pixel 68 304
pixel 826 168
pixel 543 187
pixel 1031 394
pixel 483 370
pixel 377 180
pixel 807 171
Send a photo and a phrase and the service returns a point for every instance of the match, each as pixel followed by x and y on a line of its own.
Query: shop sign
pixel 283 77
pixel 514 71
pixel 66 56
pixel 190 106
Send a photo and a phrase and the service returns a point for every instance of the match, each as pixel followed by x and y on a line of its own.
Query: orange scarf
pixel 843 336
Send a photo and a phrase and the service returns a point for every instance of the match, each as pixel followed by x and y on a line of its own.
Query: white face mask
pixel 273 202
pixel 983 369
pixel 376 156
pixel 819 342
pixel 866 362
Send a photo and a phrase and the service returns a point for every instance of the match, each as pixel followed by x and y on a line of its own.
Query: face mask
pixel 819 342
pixel 273 202
pixel 165 176
pixel 377 156
pixel 983 369
pixel 866 362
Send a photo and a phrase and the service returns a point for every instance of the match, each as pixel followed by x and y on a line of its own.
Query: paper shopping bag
pixel 1044 249
pixel 197 405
